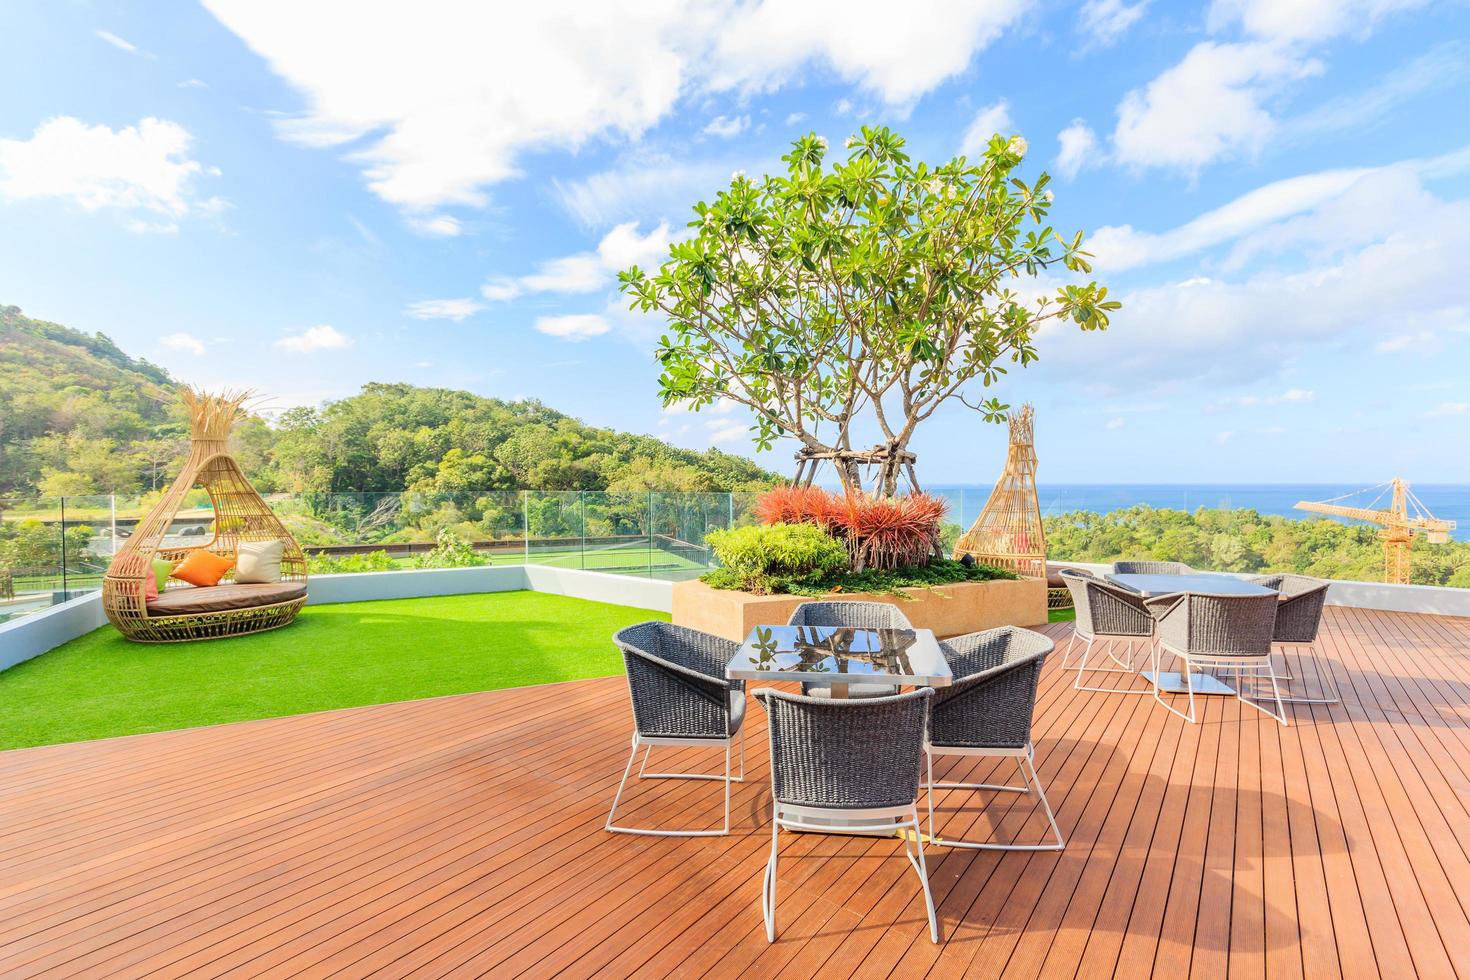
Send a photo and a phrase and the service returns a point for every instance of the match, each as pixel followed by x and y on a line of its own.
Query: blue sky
pixel 303 198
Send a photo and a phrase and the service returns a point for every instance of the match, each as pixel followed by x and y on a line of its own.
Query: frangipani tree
pixel 874 289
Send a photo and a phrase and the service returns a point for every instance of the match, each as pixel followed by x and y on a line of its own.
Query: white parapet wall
pixel 30 636
pixel 33 635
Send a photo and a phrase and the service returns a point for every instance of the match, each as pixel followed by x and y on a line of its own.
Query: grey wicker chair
pixel 1108 612
pixel 1151 568
pixel 863 615
pixel 987 712
pixel 846 767
pixel 681 698
pixel 1226 633
pixel 1298 619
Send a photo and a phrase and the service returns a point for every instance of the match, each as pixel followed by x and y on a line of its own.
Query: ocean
pixel 1444 500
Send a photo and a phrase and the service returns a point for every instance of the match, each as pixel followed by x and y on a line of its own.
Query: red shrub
pixel 880 534
pixel 789 504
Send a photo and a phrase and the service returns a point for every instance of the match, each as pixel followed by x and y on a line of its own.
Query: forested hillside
pixel 79 416
pixel 1246 541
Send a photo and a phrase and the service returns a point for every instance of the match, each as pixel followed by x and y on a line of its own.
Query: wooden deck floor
pixel 463 836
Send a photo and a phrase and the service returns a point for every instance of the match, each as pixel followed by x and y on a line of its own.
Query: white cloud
pixel 582 273
pixel 1223 437
pixel 471 87
pixel 1396 273
pixel 843 107
pixel 727 430
pixel 576 326
pixel 1116 423
pixel 1303 20
pixel 182 341
pixel 623 246
pixel 122 44
pixel 443 309
pixel 1078 148
pixel 1346 205
pixel 1213 105
pixel 762 45
pixel 144 168
pixel 500 289
pixel 1444 409
pixel 643 184
pixel 1441 68
pixel 193 83
pixel 587 272
pixel 795 117
pixel 725 127
pixel 994 118
pixel 1291 396
pixel 1404 343
pixel 436 225
pixel 1103 22
pixel 320 337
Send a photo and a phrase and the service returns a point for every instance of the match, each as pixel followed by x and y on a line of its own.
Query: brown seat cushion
pixel 218 598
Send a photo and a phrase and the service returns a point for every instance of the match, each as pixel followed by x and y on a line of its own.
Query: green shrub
pixel 774 557
pixel 450 551
pixel 373 561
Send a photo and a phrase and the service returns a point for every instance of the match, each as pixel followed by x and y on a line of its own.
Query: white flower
pixel 934 185
pixel 738 177
pixel 1046 197
pixel 851 142
pixel 822 142
pixel 1017 146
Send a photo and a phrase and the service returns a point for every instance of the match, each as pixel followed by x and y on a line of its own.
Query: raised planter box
pixel 948 610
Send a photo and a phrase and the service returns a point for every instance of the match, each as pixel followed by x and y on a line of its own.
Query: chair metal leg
pixel 1188 685
pixel 1125 667
pixel 1031 779
pixel 1324 670
pixel 922 870
pixel 727 779
pixel 1280 713
pixel 768 886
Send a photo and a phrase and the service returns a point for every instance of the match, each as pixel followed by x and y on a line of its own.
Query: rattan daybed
pixel 184 612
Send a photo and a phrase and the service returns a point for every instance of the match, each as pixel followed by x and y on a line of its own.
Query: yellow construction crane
pixel 1398 523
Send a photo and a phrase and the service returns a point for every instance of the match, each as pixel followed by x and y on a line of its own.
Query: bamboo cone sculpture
pixel 1009 533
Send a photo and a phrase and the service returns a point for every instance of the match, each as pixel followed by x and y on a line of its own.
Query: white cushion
pixel 258 562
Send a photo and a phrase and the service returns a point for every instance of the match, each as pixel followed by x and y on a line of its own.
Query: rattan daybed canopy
pixel 184 612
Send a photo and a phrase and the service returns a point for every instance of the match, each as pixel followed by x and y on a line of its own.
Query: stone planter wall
pixel 948 610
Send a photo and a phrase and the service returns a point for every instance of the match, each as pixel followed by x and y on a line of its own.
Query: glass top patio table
pixel 841 655
pixel 1154 585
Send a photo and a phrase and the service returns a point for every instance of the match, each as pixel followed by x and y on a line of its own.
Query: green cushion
pixel 161 571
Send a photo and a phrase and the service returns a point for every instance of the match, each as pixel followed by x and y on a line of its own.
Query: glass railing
pixel 54 548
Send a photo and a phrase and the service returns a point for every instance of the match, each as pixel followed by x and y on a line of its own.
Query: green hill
pixel 80 416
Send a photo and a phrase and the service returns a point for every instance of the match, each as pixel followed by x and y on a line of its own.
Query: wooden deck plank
pixel 464 836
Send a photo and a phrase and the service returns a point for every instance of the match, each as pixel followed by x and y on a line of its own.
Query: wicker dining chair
pixel 846 767
pixel 862 615
pixel 1298 620
pixel 681 698
pixel 1108 612
pixel 1230 633
pixel 1151 568
pixel 987 712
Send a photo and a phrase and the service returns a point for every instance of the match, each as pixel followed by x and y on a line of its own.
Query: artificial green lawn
pixel 333 656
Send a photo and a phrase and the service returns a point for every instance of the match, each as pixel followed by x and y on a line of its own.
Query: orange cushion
pixel 203 568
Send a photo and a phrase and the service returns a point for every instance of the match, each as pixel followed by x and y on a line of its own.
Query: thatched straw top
pixel 211 416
